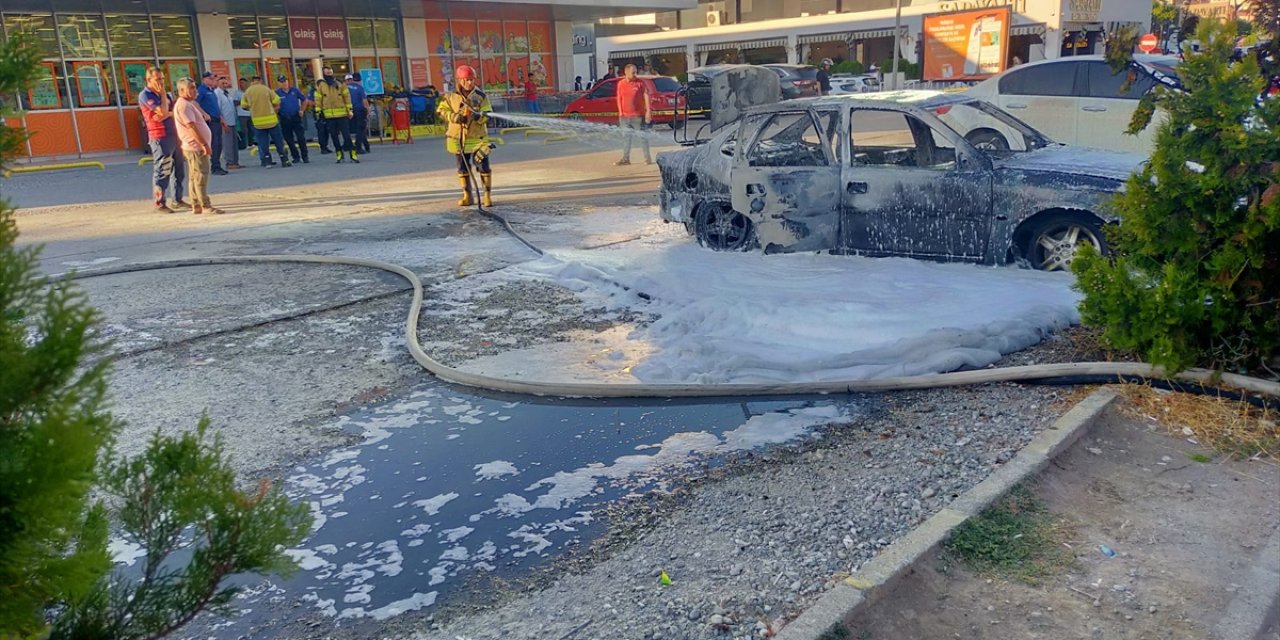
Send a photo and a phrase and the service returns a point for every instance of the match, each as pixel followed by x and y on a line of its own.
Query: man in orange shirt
pixel 633 112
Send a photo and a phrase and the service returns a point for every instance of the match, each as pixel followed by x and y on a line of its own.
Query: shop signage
pixel 333 33
pixel 1084 10
pixel 418 72
pixel 304 33
pixel 1018 6
pixel 584 38
pixel 966 45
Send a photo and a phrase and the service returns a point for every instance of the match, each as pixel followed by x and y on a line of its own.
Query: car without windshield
pixel 887 175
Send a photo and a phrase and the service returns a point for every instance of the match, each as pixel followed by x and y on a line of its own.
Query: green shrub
pixel 909 70
pixel 1195 279
pixel 849 66
pixel 55 433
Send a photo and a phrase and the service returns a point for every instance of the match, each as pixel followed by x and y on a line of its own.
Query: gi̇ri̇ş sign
pixel 966 45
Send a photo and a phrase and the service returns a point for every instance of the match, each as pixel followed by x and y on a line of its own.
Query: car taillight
pixel 800 83
pixel 942 111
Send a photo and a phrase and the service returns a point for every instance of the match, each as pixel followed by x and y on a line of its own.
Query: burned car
pixel 892 175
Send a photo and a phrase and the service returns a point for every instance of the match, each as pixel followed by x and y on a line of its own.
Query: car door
pixel 1044 96
pixel 787 181
pixel 601 104
pixel 1107 108
pixel 913 187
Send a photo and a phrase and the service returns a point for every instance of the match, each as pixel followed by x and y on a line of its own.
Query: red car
pixel 600 104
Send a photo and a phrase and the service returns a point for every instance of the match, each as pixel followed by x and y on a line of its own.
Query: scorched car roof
pixel 922 99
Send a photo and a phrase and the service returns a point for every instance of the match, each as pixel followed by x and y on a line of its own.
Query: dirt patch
pixel 1184 534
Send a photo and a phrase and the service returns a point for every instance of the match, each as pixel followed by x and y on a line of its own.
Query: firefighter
pixel 333 105
pixel 466 111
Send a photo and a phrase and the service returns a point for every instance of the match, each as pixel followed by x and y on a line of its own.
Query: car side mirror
pixel 728 149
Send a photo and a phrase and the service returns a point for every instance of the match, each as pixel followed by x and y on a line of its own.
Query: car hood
pixel 1080 161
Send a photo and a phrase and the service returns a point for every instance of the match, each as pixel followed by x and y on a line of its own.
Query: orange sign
pixel 220 68
pixel 966 45
pixel 418 73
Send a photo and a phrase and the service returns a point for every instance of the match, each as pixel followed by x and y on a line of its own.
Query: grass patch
pixel 1015 538
pixel 1200 457
pixel 1233 427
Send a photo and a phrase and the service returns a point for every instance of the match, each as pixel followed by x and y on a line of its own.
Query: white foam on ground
pixel 124 552
pixel 433 505
pixel 495 469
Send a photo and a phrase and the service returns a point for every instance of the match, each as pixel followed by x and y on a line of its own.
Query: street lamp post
pixel 897 33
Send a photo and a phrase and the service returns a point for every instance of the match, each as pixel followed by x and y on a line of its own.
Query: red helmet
pixel 465 71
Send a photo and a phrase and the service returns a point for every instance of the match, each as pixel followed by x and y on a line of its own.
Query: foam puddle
pixel 448 487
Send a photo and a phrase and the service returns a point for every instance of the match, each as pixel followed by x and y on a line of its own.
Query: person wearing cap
pixel 208 101
pixel 263 105
pixel 467 138
pixel 359 113
pixel 333 105
pixel 292 106
pixel 824 77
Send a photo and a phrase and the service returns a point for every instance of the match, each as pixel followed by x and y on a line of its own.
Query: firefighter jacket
pixel 465 113
pixel 262 104
pixel 333 101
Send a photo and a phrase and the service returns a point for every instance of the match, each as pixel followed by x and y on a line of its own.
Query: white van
pixel 1075 99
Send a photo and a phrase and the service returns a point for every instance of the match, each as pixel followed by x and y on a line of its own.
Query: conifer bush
pixel 1195 278
pixel 181 494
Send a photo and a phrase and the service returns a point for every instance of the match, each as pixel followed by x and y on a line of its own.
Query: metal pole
pixel 897 33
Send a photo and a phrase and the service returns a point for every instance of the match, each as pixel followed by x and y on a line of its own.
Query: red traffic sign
pixel 1148 43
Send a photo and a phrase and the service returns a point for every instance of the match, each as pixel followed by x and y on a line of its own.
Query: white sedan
pixel 849 85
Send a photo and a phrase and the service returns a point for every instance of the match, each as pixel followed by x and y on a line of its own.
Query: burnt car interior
pixel 882 138
pixel 789 139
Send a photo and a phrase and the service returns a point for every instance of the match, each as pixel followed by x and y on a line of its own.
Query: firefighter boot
pixel 340 158
pixel 466 192
pixel 486 179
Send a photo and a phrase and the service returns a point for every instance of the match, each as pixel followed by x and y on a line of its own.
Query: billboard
pixel 966 45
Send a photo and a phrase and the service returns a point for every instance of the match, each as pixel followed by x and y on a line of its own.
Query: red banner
pixel 418 73
pixel 303 33
pixel 333 33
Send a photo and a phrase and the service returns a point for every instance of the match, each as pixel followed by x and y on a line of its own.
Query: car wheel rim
pixel 1056 247
pixel 725 229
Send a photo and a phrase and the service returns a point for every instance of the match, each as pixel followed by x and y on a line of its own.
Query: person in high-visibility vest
pixel 466 110
pixel 333 105
pixel 263 105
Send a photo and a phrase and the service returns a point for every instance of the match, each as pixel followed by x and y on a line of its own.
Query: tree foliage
pixel 1266 19
pixel 56 576
pixel 1196 276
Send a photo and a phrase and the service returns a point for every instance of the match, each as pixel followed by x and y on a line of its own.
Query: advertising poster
pixel 464 36
pixel 490 38
pixel 418 75
pixel 517 40
pixel 966 45
pixel 439 38
pixel 220 68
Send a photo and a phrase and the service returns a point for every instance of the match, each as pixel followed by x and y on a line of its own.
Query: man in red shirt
pixel 633 112
pixel 531 96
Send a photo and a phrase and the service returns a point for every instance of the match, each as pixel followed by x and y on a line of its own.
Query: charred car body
pixel 891 175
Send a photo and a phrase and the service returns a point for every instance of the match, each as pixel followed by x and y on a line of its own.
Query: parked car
pixel 600 104
pixel 846 85
pixel 1076 100
pixel 698 89
pixel 798 80
pixel 886 175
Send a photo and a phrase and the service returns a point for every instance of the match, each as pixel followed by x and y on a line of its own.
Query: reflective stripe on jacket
pixel 476 131
pixel 262 104
pixel 333 101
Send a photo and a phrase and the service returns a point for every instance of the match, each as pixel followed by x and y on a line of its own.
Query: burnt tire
pixel 1051 242
pixel 987 140
pixel 720 228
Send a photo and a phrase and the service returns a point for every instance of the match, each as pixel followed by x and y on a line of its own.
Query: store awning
pixel 1027 30
pixel 751 44
pixel 644 53
pixel 848 36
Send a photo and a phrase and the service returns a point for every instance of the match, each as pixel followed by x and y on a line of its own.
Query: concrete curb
pixel 825 619
pixel 1257 605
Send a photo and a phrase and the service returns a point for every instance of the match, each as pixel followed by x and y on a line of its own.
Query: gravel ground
pixel 750 545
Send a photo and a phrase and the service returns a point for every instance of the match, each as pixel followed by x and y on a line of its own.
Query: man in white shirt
pixel 227 106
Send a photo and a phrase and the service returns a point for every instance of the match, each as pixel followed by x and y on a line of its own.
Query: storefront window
pixel 391 72
pixel 82 36
pixel 274 31
pixel 91 84
pixel 173 36
pixel 360 34
pixel 384 34
pixel 130 36
pixel 43 92
pixel 38 28
pixel 244 32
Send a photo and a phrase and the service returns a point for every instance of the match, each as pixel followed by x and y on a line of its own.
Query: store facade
pixel 853 30
pixel 95 52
